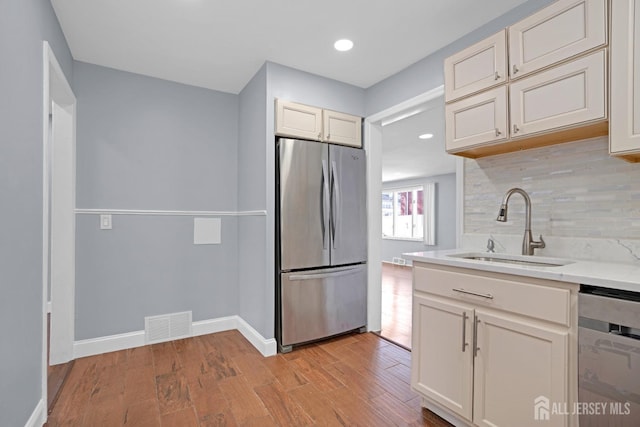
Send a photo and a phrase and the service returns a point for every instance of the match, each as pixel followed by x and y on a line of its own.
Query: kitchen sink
pixel 525 260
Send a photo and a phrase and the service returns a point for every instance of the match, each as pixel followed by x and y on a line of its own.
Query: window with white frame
pixel 407 213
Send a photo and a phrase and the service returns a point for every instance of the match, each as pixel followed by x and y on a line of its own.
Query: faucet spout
pixel 528 244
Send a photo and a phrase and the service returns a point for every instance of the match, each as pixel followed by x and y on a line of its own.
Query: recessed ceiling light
pixel 426 136
pixel 343 45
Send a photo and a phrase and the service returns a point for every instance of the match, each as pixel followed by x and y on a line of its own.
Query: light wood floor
pixel 396 303
pixel 221 380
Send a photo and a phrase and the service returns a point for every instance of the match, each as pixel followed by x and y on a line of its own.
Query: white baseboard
pixel 93 346
pixel 38 416
pixel 265 346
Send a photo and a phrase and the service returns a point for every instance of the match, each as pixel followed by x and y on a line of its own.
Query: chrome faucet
pixel 528 244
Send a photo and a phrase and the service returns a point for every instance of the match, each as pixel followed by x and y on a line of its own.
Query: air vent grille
pixel 167 327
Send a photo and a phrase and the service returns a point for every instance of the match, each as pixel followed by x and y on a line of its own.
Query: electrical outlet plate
pixel 105 222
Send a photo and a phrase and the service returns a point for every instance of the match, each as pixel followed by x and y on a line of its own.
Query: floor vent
pixel 167 327
pixel 399 261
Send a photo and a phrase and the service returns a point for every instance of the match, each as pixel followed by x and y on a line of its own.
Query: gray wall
pixel 146 143
pixel 428 73
pixel 253 269
pixel 445 206
pixel 24 24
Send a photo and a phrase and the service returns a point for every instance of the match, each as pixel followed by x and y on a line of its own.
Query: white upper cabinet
pixel 298 120
pixel 341 128
pixel 476 68
pixel 303 121
pixel 477 120
pixel 560 31
pixel 565 95
pixel 625 79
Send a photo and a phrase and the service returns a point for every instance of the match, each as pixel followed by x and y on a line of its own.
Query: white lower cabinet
pixel 475 357
pixel 516 362
pixel 442 361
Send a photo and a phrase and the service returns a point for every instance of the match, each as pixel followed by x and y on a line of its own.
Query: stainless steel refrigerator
pixel 321 244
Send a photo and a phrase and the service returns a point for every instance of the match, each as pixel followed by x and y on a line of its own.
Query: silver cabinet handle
pixel 326 204
pixel 464 330
pixel 463 291
pixel 498 133
pixel 515 70
pixel 335 204
pixel 516 129
pixel 497 76
pixel 475 336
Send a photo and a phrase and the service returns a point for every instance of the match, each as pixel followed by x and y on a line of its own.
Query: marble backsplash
pixel 585 203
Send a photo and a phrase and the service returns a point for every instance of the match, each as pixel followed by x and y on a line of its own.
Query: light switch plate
pixel 105 222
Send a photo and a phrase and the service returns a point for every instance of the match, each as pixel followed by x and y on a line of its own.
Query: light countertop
pixel 606 274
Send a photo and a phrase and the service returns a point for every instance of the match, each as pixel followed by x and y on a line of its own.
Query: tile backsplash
pixel 582 199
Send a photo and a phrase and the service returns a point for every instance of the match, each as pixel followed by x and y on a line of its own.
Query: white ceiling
pixel 220 44
pixel 404 156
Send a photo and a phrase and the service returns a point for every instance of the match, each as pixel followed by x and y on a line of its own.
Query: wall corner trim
pixel 38 416
pixel 106 344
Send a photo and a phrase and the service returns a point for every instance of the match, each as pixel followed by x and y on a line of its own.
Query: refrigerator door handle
pixel 325 275
pixel 335 206
pixel 325 204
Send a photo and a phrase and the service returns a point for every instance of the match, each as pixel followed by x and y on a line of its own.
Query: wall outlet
pixel 105 222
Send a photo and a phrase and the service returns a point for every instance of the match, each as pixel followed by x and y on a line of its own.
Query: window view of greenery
pixel 403 213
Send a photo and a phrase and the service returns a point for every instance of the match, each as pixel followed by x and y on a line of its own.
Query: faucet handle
pixel 540 244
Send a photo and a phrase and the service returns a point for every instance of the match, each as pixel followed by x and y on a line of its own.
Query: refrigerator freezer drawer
pixel 320 303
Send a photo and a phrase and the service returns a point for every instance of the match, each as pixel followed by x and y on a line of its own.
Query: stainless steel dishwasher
pixel 608 357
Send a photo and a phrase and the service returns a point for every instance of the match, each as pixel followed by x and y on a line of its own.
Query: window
pixel 403 213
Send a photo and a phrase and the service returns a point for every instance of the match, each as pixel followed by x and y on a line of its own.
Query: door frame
pixel 373 140
pixel 59 100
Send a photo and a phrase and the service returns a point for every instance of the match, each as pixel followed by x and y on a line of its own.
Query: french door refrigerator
pixel 321 244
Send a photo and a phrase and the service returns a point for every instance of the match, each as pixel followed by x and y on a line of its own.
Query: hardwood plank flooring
pixel 396 303
pixel 56 374
pixel 221 380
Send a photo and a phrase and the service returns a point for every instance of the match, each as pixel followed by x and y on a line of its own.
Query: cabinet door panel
pixel 477 120
pixel 562 96
pixel 440 369
pixel 560 31
pixel 625 77
pixel 476 68
pixel 516 363
pixel 298 120
pixel 341 128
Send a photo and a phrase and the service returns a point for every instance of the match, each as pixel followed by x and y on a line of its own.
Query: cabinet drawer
pixel 565 95
pixel 560 31
pixel 476 68
pixel 476 120
pixel 508 293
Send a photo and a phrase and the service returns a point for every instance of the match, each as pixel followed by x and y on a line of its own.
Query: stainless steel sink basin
pixel 525 260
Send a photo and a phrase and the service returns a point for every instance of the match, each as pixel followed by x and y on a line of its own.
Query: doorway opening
pixel 414 188
pixel 58 225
